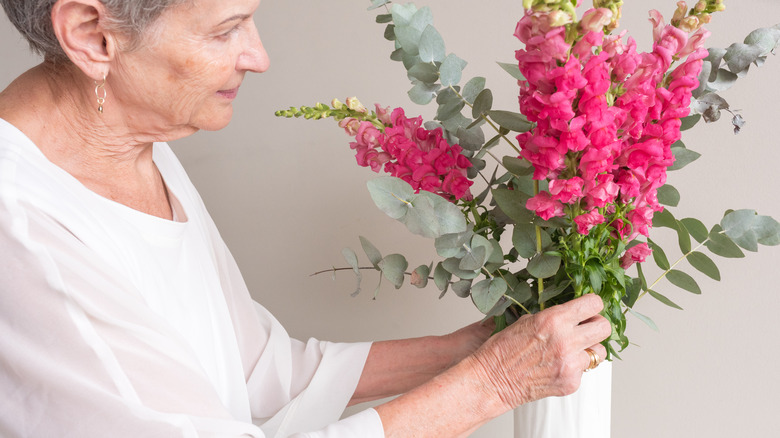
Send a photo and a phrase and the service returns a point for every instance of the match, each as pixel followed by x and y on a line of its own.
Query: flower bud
pixel 559 18
pixel 354 104
pixel 689 24
pixel 594 20
pixel 679 13
pixel 336 104
pixel 701 6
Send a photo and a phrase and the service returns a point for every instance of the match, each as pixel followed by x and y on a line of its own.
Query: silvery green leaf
pixel 409 38
pixel 403 13
pixel 456 121
pixel 747 229
pixel 352 261
pixel 739 57
pixel 664 218
pixel 697 229
pixel 512 203
pixel 659 255
pixel 482 104
pixel 496 254
pixel 524 240
pixel 720 244
pixel 544 265
pixel 520 291
pixel 373 254
pixel 452 265
pixel 706 70
pixel 422 94
pixel 390 32
pixel 462 288
pixel 422 18
pixel 704 264
pixel 486 293
pixel 738 123
pixel 393 268
pixel 451 70
pixel 683 157
pixel 442 278
pixel 424 72
pixel 449 110
pixel 644 319
pixel 430 215
pixel 431 45
pixel 471 139
pixel 377 3
pixel 409 60
pixel 683 281
pixel 668 195
pixel 511 120
pixel 474 259
pixel 420 276
pixel 392 195
pixel 397 54
pixel 472 89
pixel 452 245
pixel 723 81
pixel 709 106
pixel 765 39
pixel 714 58
pixel 513 70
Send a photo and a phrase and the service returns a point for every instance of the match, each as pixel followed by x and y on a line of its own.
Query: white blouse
pixel 117 323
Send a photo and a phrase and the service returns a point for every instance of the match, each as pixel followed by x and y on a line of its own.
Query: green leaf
pixel 524 240
pixel 511 120
pixel 373 254
pixel 425 214
pixel 664 299
pixel 517 166
pixel 659 256
pixel 664 218
pixel 352 261
pixel 697 229
pixel 474 259
pixel 462 288
pixel 520 291
pixel 451 70
pixel 544 265
pixel 422 93
pixel 420 276
pixel 452 265
pixel 393 268
pixel 383 18
pixel 747 229
pixel 452 245
pixel 683 157
pixel 473 88
pixel 668 195
pixel 683 238
pixel 512 203
pixel 471 139
pixel 689 122
pixel 721 245
pixel 552 291
pixel 378 3
pixel 442 278
pixel 424 72
pixel 644 319
pixel 431 45
pixel 486 293
pixel 704 264
pixel 512 69
pixel 633 289
pixel 683 281
pixel 482 104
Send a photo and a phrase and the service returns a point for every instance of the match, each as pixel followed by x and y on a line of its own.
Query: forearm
pixel 395 367
pixel 451 404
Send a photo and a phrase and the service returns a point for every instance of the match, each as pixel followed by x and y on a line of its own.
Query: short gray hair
pixel 33 19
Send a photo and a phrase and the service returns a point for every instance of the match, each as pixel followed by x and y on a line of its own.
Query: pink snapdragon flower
pixel 544 206
pixel 587 221
pixel 635 254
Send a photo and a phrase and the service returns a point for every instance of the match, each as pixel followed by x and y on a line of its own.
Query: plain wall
pixel 288 197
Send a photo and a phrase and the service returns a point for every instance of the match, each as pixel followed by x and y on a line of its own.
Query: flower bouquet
pixel 569 206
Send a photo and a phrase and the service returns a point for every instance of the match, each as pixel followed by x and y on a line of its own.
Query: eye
pixel 233 30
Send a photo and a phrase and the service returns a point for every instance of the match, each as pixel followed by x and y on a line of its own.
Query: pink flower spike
pixel 658 24
pixel 566 190
pixel 544 206
pixel 635 254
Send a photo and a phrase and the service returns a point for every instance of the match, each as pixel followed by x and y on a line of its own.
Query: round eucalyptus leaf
pixel 451 70
pixel 424 72
pixel 391 195
pixel 420 276
pixel 544 265
pixel 511 120
pixel 668 195
pixel 452 244
pixel 373 254
pixel 393 268
pixel 486 293
pixel 462 288
pixel 441 277
pixel 482 104
pixel 473 88
pixel 422 93
pixel 720 244
pixel 431 45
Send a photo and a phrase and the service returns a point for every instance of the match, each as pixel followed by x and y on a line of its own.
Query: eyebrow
pixel 240 17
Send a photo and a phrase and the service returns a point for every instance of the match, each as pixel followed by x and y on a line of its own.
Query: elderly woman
pixel 123 313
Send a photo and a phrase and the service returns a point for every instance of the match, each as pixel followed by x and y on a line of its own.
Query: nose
pixel 254 57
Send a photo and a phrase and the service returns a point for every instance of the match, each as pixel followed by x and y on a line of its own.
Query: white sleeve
pixel 365 424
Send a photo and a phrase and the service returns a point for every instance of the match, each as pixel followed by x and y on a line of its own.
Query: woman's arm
pixel 395 367
pixel 539 356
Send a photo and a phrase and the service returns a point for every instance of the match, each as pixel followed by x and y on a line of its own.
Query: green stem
pixel 540 282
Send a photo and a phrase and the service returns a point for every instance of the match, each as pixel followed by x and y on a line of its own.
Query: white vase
pixel 584 414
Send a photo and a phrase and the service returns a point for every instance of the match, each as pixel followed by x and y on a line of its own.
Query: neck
pixel 99 150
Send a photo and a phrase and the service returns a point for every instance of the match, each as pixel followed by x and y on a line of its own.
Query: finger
pixel 584 307
pixel 601 354
pixel 592 331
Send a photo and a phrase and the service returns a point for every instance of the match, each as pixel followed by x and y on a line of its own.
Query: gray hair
pixel 129 17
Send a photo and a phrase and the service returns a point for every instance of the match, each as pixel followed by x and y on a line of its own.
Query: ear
pixel 78 25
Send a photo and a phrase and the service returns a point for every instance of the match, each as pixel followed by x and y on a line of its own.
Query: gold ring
pixel 594 359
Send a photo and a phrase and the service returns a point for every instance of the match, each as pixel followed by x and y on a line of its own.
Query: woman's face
pixel 188 69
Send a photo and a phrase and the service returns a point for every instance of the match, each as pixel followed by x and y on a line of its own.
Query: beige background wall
pixel 288 197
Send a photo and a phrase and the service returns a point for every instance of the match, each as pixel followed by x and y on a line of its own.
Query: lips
pixel 228 94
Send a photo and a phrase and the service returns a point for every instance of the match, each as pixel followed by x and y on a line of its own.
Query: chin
pixel 215 122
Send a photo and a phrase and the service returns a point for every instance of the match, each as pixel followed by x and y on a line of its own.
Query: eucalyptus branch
pixel 489 122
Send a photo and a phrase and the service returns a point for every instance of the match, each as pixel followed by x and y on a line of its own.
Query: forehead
pixel 208 12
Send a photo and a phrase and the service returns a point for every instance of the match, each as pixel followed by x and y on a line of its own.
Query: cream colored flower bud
pixel 690 24
pixel 337 104
pixel 354 104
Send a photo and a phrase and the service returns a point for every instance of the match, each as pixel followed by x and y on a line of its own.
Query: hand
pixel 544 354
pixel 467 340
